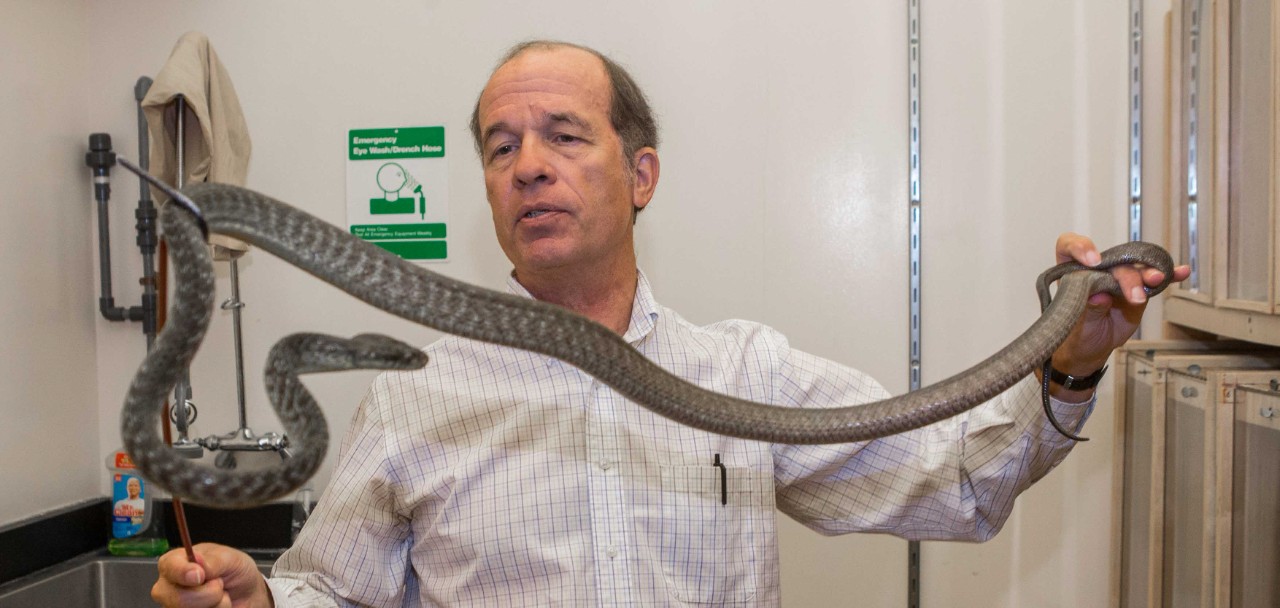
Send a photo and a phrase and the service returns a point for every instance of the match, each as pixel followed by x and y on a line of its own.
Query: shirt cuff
pixel 1072 416
pixel 280 590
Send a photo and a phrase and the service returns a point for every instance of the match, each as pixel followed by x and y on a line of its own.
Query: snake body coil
pixel 414 293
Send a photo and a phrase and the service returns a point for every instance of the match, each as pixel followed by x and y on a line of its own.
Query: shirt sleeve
pixel 354 548
pixel 953 480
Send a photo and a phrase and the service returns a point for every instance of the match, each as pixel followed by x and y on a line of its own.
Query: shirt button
pixel 611 551
pixel 605 464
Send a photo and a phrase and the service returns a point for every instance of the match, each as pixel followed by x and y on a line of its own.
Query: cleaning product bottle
pixel 137 527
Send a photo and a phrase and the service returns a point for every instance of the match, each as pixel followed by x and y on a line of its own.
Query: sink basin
pixel 96 580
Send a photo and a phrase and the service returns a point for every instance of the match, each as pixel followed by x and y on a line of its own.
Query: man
pixel 132 505
pixel 500 477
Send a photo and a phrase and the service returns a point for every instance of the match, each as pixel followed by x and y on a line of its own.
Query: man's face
pixel 133 487
pixel 558 185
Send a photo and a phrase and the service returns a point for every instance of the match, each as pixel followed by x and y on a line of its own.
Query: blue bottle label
pixel 129 505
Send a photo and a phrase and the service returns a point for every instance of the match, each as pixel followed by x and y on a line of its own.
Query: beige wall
pixel 783 199
pixel 49 408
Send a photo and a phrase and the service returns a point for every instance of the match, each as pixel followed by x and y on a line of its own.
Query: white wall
pixel 49 409
pixel 784 140
pixel 1025 138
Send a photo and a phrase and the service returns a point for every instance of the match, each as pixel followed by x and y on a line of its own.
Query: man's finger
pixel 1078 248
pixel 175 568
pixel 211 594
pixel 208 594
pixel 1131 283
pixel 1152 276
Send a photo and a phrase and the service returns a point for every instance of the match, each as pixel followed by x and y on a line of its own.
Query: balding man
pixel 499 477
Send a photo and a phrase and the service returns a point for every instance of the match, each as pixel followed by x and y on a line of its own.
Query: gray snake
pixel 385 281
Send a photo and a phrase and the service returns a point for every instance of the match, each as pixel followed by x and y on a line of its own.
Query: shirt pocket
pixel 711 536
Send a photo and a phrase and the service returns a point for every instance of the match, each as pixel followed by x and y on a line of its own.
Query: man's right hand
pixel 222 577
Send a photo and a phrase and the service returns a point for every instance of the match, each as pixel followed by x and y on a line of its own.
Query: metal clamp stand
pixel 243 438
pixel 182 392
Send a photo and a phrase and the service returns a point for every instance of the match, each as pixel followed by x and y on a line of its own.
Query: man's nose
pixel 531 165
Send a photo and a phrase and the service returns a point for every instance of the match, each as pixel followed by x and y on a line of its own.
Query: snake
pixel 392 284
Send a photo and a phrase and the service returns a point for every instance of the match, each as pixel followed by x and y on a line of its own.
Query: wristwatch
pixel 1077 383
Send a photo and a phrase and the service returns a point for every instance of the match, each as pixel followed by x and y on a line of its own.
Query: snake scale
pixel 385 281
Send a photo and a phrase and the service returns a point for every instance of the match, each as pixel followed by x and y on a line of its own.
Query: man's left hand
pixel 1107 321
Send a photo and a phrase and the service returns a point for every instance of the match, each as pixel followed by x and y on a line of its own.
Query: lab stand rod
pixel 234 305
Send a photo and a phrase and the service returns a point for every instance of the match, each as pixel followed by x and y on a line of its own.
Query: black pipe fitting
pixel 100 158
pixel 107 305
pixel 146 215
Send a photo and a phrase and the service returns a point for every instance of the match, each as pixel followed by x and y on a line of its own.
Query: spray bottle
pixel 137 527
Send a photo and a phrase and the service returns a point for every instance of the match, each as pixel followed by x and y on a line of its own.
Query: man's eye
pixel 563 138
pixel 501 150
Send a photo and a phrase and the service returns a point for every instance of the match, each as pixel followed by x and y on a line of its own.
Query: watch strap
pixel 1077 383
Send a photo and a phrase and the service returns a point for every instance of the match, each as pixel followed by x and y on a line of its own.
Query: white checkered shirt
pixel 500 477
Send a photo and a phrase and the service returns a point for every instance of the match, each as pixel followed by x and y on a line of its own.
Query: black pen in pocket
pixel 724 480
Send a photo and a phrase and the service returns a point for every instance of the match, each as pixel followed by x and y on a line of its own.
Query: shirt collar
pixel 644 309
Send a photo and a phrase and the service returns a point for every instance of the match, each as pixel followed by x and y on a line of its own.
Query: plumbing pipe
pixel 146 215
pixel 100 159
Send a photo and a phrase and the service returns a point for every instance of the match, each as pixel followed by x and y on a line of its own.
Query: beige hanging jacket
pixel 217 139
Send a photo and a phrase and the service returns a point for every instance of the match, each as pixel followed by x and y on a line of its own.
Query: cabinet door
pixel 1246 226
pixel 1255 529
pixel 1184 580
pixel 1135 529
pixel 1193 175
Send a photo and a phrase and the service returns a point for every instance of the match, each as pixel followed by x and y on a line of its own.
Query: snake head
pixel 311 353
pixel 376 351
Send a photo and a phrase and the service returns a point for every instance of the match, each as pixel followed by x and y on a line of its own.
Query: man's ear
pixel 647 168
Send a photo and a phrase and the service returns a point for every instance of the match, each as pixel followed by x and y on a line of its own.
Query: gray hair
pixel 629 111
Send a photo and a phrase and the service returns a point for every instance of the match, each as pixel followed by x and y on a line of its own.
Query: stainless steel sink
pixel 95 580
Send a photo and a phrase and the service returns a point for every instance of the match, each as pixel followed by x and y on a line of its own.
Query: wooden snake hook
pixel 162 305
